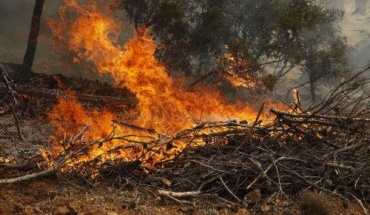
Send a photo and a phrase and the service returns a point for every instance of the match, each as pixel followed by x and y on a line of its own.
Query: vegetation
pixel 279 34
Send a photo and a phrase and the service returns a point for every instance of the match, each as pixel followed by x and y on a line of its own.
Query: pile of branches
pixel 325 148
pixel 38 92
pixel 297 152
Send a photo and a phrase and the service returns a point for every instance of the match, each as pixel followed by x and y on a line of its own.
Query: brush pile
pixel 325 148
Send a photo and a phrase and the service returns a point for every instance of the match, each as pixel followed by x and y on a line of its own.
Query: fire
pixel 163 104
pixel 6 159
pixel 237 72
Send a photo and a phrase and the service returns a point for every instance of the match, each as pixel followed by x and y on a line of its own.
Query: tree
pixel 283 34
pixel 33 36
pixel 317 48
pixel 190 31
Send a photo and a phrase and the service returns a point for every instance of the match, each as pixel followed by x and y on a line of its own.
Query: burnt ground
pixel 72 194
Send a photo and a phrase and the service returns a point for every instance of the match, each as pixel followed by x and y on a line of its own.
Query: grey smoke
pixel 356 27
pixel 15 22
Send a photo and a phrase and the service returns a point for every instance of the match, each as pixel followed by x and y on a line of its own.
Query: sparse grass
pixel 315 204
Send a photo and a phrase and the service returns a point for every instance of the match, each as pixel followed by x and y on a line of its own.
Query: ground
pixel 67 194
pixel 60 196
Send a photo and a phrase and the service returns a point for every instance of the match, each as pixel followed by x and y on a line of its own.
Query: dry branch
pixel 29 176
pixel 297 151
pixel 178 194
pixel 12 93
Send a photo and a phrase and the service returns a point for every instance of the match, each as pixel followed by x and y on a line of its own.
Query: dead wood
pixel 8 83
pixel 52 94
pixel 320 149
pixel 178 194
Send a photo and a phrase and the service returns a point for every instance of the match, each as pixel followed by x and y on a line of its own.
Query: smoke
pixel 15 21
pixel 355 26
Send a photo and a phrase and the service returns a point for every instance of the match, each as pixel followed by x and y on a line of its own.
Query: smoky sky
pixel 356 27
pixel 15 22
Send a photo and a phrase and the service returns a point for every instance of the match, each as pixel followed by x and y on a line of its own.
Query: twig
pixel 347 119
pixel 340 166
pixel 268 169
pixel 360 203
pixel 16 123
pixel 313 184
pixel 202 78
pixel 208 166
pixel 228 190
pixel 30 176
pixel 150 130
pixel 178 194
pixel 12 92
pixel 251 131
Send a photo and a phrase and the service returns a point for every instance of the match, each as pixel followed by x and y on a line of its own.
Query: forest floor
pixel 62 194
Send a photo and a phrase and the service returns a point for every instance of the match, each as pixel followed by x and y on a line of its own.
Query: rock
pixel 62 210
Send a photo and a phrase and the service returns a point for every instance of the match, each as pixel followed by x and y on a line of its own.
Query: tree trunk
pixel 32 38
pixel 313 89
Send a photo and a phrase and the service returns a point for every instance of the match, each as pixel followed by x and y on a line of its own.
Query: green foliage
pixel 288 33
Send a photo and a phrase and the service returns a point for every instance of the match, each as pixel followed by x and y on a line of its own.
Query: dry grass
pixel 315 204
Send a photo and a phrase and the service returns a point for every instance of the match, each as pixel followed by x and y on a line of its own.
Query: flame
pixel 237 72
pixel 6 159
pixel 90 31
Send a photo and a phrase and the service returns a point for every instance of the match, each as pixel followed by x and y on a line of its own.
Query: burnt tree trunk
pixel 32 38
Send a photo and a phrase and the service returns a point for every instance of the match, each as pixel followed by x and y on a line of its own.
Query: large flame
pixel 163 104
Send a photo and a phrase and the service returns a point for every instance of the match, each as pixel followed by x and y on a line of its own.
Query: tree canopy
pixel 284 34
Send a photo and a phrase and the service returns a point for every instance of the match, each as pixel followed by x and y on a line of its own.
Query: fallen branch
pixel 178 194
pixel 29 176
pixel 318 116
pixel 233 194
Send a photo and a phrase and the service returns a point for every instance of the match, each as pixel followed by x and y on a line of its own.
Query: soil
pixel 62 194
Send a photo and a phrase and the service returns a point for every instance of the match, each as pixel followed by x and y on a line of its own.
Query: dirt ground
pixel 66 194
pixel 61 196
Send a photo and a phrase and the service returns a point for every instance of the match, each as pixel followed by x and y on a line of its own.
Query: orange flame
pixel 236 72
pixel 163 104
